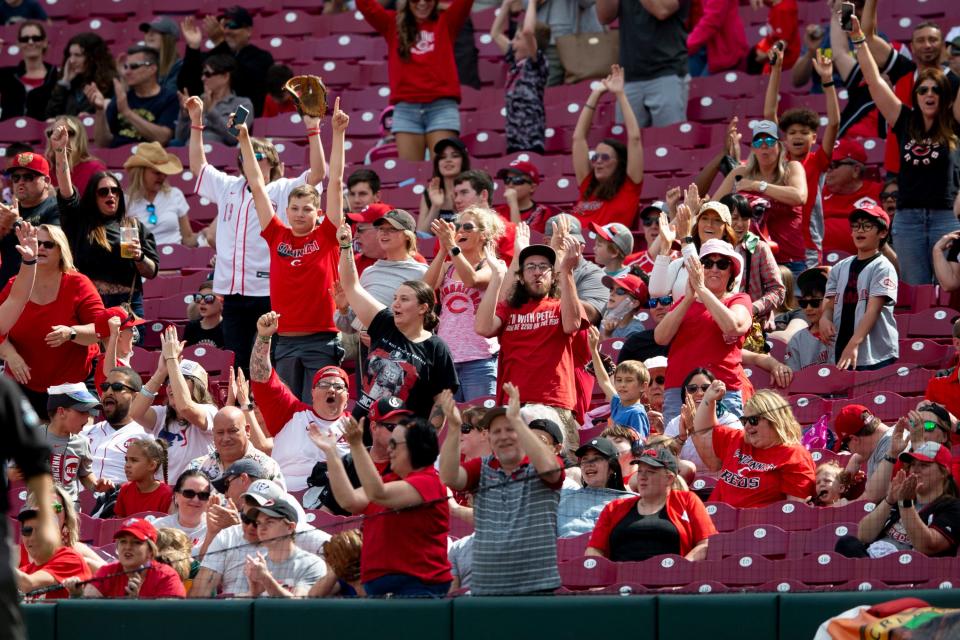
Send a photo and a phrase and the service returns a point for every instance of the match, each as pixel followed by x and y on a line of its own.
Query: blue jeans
pixel 442 114
pixel 298 358
pixel 732 400
pixel 915 231
pixel 400 584
pixel 477 378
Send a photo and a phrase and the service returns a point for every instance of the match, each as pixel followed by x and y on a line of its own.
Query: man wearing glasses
pixel 109 437
pixel 844 185
pixel 29 176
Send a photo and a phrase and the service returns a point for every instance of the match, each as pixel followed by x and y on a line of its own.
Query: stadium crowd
pixel 365 400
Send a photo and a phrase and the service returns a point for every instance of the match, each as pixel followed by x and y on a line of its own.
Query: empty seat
pixel 930 323
pixel 660 571
pixel 827 568
pixel 724 516
pixel 885 405
pixel 897 378
pixel 765 540
pixel 738 570
pixel 808 408
pixel 820 540
pixel 570 548
pixel 789 515
pixel 823 380
pixel 587 573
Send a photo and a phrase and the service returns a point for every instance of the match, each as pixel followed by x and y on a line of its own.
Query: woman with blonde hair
pixel 161 208
pixel 82 164
pixel 460 273
pixel 53 340
pixel 760 464
pixel 162 34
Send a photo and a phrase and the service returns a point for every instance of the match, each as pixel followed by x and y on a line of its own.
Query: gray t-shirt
pixel 878 278
pixel 196 534
pixel 805 349
pixel 70 460
pixel 590 288
pixel 460 555
pixel 879 453
pixel 301 569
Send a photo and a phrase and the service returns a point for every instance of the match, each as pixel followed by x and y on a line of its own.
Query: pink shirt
pixel 459 311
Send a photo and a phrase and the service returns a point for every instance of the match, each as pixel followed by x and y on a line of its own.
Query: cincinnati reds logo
pixel 24 159
pixel 296 263
pixel 458 303
pixel 394 402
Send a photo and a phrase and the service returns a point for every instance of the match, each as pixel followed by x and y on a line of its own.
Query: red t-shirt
pixel 685 511
pixel 751 477
pixel 536 354
pixel 783 22
pixel 700 343
pixel 836 215
pixel 411 541
pixel 814 165
pixel 77 303
pixel 130 500
pixel 621 208
pixel 65 563
pixel 784 225
pixel 946 391
pixel 302 272
pixel 273 108
pixel 536 216
pixel 159 581
pixel 430 71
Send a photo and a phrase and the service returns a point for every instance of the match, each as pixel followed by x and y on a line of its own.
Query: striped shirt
pixel 515 518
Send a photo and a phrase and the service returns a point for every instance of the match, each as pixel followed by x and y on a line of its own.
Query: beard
pixel 116 413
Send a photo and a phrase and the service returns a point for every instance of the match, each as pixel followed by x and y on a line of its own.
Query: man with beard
pixel 287 419
pixel 109 438
pixel 537 324
pixel 29 175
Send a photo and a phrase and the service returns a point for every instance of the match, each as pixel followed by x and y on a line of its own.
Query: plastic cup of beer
pixel 128 237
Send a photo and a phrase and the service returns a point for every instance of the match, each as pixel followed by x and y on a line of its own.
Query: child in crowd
pixel 861 292
pixel 628 294
pixel 806 346
pixel 142 491
pixel 520 182
pixel 614 243
pixel 630 380
pixel 119 326
pixel 277 100
pixel 831 485
pixel 207 329
pixel 526 78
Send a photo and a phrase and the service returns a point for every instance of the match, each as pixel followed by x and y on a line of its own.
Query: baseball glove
pixel 309 95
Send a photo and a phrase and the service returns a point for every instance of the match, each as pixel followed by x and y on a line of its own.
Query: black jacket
pixel 15 101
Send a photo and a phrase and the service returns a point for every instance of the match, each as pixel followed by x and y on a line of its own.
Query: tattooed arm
pixel 260 367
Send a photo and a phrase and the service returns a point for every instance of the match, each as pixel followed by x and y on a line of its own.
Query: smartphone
pixel 846 12
pixel 239 117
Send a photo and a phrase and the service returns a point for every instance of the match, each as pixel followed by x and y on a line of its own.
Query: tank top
pixel 458 312
pixel 784 225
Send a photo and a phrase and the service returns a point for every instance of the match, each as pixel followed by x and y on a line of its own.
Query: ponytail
pixel 156 450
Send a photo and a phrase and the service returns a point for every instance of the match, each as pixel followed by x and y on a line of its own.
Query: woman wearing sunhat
pixel 159 207
pixel 659 520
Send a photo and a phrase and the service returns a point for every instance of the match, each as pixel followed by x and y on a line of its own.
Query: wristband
pixel 198 127
pixel 313 133
pixel 890 459
pixel 146 393
pixel 687 240
pixel 857 43
pixel 249 406
pixel 827 84
pixel 890 504
pixel 264 339
pixel 29 262
pixel 906 504
pixel 344 247
pixel 589 106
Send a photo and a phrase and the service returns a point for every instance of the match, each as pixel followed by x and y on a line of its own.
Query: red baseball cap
pixel 331 371
pixel 523 167
pixel 370 213
pixel 634 285
pixel 850 421
pixel 139 528
pixel 389 407
pixel 929 452
pixel 31 161
pixel 127 320
pixel 847 149
pixel 869 208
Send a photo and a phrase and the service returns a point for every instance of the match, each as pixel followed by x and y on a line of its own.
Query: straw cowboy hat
pixel 152 156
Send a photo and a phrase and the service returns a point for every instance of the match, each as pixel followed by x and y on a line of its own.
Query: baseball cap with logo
pixel 866 207
pixel 929 452
pixel 74 396
pixel 193 369
pixel 523 168
pixel 370 213
pixel 279 508
pixel 616 233
pixel 127 320
pixel 389 407
pixel 847 149
pixel 138 528
pixel 850 421
pixel 331 371
pixel 31 162
pixel 398 219
pixel 658 458
pixel 574 225
pixel 248 466
pixel 263 491
pixel 633 285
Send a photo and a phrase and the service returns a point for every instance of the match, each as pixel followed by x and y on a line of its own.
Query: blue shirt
pixel 633 416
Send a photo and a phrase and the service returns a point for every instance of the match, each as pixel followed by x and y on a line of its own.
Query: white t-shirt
pixel 878 278
pixel 186 441
pixel 689 450
pixel 108 448
pixel 170 205
pixel 297 454
pixel 196 534
pixel 243 257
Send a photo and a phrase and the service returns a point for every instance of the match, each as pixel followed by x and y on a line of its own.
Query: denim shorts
pixel 416 117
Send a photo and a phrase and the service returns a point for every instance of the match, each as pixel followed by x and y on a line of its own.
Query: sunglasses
pixel 600 157
pixel 842 163
pixel 720 263
pixel 47 244
pixel 23 176
pixel 248 520
pixel 70 133
pixel 103 192
pixel 750 420
pixel 116 386
pixel 925 89
pixel 327 386
pixel 29 39
pixel 133 66
pixel 207 73
pixel 809 302
pixel 466 428
pixel 889 195
pixel 389 426
pixel 620 291
pixel 259 156
pixel 666 301
pixel 764 142
pixel 863 226
pixel 660 380
pixel 152 210
pixel 190 494
pixel 930 425
pixel 516 180
pixel 466 226
pixel 649 221
pixel 26 532
pixel 230 24
pixel 693 388
pixel 208 298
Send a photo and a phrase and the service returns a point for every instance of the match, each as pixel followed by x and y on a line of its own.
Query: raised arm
pixel 61 155
pixel 363 304
pixel 824 67
pixel 664 332
pixel 772 97
pixel 498 28
pixel 141 407
pixel 251 169
pixel 840 46
pixel 599 371
pixel 171 352
pixel 347 496
pixel 198 157
pixel 318 161
pixel 704 420
pixel 451 473
pixel 528 29
pixel 392 495
pixel 571 311
pixel 879 48
pixel 614 84
pixel 22 287
pixel 340 122
pixel 260 365
pixel 883 96
pixel 541 456
pixel 487 323
pixel 733 321
pixel 581 148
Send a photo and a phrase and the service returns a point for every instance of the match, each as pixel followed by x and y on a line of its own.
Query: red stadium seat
pixel 925 353
pixel 587 573
pixel 765 540
pixel 22 129
pixel 808 408
pixel 704 586
pixel 660 571
pixel 902 379
pixel 738 570
pixel 853 512
pixel 827 568
pixel 784 586
pixel 570 548
pixel 213 360
pixel 171 308
pixel 825 380
pixel 789 515
pixel 175 257
pixel 908 567
pixel 820 540
pixel 485 144
pixel 833 257
pixel 889 407
pixel 723 515
pixel 930 323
